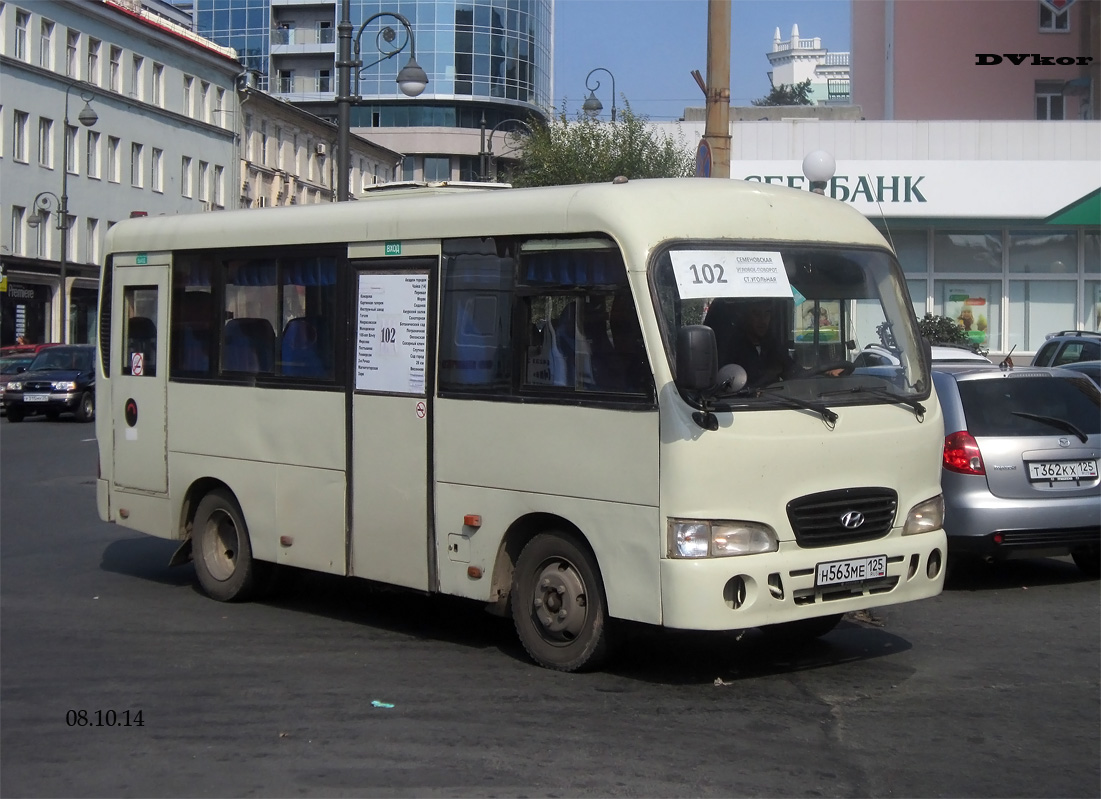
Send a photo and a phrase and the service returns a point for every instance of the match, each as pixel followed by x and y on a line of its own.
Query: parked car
pixel 1020 463
pixel 24 349
pixel 59 380
pixel 1068 346
pixel 878 355
pixel 10 366
pixel 1092 369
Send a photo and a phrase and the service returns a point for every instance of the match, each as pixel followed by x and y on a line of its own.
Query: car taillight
pixel 961 454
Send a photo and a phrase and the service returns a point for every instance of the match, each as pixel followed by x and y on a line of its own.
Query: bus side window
pixel 139 333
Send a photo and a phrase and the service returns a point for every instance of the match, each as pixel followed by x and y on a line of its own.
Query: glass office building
pixel 486 60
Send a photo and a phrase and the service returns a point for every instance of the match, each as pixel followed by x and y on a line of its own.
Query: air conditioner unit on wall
pixel 320 148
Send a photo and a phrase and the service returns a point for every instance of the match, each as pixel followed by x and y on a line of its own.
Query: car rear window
pixel 993 407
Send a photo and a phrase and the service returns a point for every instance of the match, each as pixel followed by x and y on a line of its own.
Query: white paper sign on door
pixel 392 333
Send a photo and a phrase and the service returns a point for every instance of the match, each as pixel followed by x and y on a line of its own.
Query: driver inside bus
pixel 744 335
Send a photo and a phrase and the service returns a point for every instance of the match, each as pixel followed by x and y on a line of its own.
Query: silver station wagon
pixel 1020 463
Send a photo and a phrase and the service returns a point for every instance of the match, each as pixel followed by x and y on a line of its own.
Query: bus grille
pixel 819 520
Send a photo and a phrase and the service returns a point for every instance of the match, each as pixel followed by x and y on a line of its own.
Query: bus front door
pixel 391 539
pixel 139 373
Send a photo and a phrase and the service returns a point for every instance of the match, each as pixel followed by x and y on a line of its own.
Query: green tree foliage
pixel 945 330
pixel 787 94
pixel 584 150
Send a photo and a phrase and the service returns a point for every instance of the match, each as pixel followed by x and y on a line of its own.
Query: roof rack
pixel 1073 333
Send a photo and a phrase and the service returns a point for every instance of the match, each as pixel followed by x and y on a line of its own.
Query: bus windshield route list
pixel 392 333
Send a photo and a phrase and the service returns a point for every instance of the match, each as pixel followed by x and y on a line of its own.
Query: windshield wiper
pixel 1059 424
pixel 919 409
pixel 828 416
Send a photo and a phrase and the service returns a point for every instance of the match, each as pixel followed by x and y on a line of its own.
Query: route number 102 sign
pixel 729 273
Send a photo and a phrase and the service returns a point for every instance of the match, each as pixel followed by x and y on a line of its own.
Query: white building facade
pixel 799 59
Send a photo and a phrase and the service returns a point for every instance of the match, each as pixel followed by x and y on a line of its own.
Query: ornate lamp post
pixel 592 106
pixel 486 151
pixel 412 80
pixel 47 201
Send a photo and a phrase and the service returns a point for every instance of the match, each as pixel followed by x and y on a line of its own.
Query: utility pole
pixel 717 129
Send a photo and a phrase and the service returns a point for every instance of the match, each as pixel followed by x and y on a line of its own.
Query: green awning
pixel 1084 211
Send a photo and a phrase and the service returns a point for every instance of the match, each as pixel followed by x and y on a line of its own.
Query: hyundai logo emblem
pixel 852 519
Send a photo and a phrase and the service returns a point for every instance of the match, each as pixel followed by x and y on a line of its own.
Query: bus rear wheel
pixel 222 552
pixel 558 604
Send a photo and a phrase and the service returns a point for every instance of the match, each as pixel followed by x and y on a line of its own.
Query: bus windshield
pixel 796 319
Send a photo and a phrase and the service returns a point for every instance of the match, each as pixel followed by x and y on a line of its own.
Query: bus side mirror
pixel 697 360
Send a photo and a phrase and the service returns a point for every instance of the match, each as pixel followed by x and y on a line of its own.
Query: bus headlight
pixel 691 538
pixel 925 516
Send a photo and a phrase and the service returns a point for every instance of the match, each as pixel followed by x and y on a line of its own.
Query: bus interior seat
pixel 250 345
pixel 193 345
pixel 301 345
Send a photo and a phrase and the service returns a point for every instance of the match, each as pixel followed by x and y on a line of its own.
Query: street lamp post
pixel 485 154
pixel 592 106
pixel 45 201
pixel 412 80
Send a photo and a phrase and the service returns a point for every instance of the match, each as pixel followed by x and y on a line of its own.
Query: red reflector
pixel 961 454
pixel 998 538
pixel 472 520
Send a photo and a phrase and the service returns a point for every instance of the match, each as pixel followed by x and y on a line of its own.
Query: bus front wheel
pixel 222 552
pixel 558 604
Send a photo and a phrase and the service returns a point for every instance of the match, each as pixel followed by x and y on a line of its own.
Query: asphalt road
pixel 990 690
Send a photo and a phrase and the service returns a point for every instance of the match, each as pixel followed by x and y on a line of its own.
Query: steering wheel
pixel 841 367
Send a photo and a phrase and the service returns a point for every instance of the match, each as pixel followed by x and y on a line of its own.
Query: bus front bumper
pixel 732 593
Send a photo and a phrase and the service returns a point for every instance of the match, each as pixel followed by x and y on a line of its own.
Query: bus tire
pixel 558 604
pixel 86 410
pixel 222 552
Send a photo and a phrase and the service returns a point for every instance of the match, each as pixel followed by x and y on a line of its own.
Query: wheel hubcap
pixel 559 605
pixel 220 546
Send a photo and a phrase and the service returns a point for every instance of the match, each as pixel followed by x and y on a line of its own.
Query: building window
pixel 93 240
pixel 204 101
pixel 324 81
pixel 92 75
pixel 137 77
pixel 1052 22
pixel 219 198
pixel 22 21
pixel 185 177
pixel 72 162
pixel 92 154
pixel 136 172
pixel 114 168
pixel 115 76
pixel 188 87
pixel 21 121
pixel 45 142
pixel 46 45
pixel 72 53
pixel 18 220
pixel 223 119
pixel 437 168
pixel 408 168
pixel 204 181
pixel 157 176
pixel 264 143
pixel 286 81
pixel 1049 100
pixel 1037 307
pixel 967 251
pixel 158 85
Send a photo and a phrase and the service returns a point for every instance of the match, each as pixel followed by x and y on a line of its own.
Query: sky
pixel 652 46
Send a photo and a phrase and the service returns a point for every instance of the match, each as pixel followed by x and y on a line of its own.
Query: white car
pixel 878 355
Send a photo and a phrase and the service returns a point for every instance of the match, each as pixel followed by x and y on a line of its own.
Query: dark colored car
pixel 1068 346
pixel 1020 460
pixel 1092 369
pixel 10 366
pixel 60 380
pixel 24 349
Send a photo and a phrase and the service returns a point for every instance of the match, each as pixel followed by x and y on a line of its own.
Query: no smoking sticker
pixel 422 410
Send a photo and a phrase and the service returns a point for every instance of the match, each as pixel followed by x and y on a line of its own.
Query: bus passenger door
pixel 391 536
pixel 139 373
